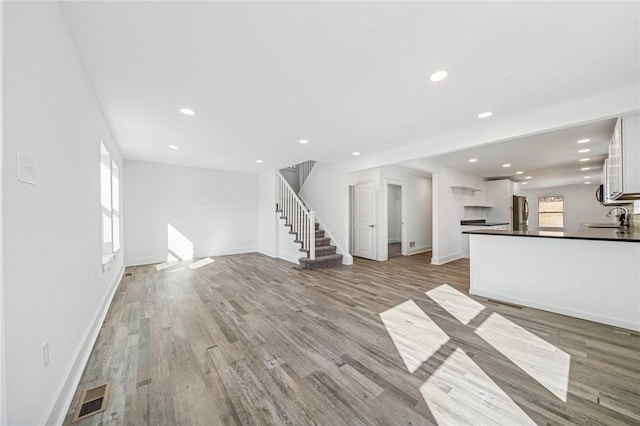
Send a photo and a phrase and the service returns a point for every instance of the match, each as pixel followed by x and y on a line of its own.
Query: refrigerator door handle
pixel 526 209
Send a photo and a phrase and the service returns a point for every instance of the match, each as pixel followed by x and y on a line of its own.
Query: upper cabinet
pixel 623 165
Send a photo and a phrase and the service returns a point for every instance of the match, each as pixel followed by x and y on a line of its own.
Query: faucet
pixel 622 217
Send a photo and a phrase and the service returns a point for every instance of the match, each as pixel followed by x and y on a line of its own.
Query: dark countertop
pixel 480 222
pixel 597 234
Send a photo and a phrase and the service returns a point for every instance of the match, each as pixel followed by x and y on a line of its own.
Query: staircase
pixel 302 223
pixel 326 255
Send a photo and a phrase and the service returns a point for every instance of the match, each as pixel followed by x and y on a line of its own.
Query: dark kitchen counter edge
pixel 471 223
pixel 594 235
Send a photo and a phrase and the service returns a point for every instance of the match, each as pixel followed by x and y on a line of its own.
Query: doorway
pixel 394 220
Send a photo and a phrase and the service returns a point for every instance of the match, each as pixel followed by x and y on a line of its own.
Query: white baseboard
pixel 446 259
pixel 290 258
pixel 417 250
pixel 150 260
pixel 57 412
pixel 558 310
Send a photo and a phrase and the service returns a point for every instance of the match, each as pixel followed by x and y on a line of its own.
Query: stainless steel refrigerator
pixel 520 212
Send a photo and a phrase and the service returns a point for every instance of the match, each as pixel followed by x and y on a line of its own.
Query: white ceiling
pixel 346 76
pixel 549 159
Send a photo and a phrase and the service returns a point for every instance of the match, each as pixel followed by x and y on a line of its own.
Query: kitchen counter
pixel 596 234
pixel 593 274
pixel 475 222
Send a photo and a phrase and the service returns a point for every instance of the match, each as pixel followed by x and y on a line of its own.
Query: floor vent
pixel 92 401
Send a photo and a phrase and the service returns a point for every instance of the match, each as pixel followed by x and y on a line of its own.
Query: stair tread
pixel 321 258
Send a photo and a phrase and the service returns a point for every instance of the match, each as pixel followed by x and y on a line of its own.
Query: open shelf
pixel 466 188
pixel 482 206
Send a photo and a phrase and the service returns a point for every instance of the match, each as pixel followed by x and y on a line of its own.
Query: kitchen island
pixel 593 274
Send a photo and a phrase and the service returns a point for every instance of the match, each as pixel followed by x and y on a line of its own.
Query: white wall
pixel 394 213
pixel 416 205
pixel 580 205
pixel 326 191
pixel 448 207
pixel 267 217
pixel 3 388
pixel 55 289
pixel 215 211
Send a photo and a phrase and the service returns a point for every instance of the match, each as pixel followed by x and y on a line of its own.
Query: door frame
pixel 403 216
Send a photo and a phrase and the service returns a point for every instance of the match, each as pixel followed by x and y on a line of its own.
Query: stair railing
pixel 303 171
pixel 301 219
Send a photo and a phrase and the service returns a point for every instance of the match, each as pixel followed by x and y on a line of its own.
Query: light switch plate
pixel 26 168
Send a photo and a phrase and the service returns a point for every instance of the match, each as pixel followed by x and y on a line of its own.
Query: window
pixel 551 211
pixel 110 204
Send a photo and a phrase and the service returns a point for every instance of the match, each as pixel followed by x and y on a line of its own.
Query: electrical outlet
pixel 45 355
pixel 412 243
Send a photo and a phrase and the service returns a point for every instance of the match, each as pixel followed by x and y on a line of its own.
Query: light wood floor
pixel 252 340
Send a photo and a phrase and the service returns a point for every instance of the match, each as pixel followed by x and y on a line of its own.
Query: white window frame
pixel 109 205
pixel 549 199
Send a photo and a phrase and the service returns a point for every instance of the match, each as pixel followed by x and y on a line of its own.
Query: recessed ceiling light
pixel 485 114
pixel 584 140
pixel 584 169
pixel 587 183
pixel 584 150
pixel 303 141
pixel 506 165
pixel 173 146
pixel 527 177
pixel 259 161
pixel 519 173
pixel 187 111
pixel 524 183
pixel 355 153
pixel 587 177
pixel 584 159
pixel 438 76
pixel 473 160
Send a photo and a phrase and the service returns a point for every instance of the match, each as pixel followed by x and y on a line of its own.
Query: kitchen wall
pixel 185 212
pixel 580 205
pixel 55 289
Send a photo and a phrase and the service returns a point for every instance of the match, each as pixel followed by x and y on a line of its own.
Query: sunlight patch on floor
pixel 414 334
pixel 460 393
pixel 544 362
pixel 458 304
pixel 200 263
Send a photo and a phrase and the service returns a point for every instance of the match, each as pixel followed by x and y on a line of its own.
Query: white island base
pixel 589 279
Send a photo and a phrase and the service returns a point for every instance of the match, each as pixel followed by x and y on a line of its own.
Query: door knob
pixel 372 226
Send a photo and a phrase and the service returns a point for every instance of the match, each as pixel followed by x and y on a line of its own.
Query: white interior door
pixel 365 218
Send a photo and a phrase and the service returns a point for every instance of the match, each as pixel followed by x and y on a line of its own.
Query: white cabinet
pixel 623 164
pixel 499 194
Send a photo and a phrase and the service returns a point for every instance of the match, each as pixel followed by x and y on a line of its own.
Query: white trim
pixel 418 250
pixel 58 407
pixel 558 310
pixel 446 259
pixel 150 260
pixel 290 258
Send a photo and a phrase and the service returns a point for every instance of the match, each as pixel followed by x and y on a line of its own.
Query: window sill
pixel 107 260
